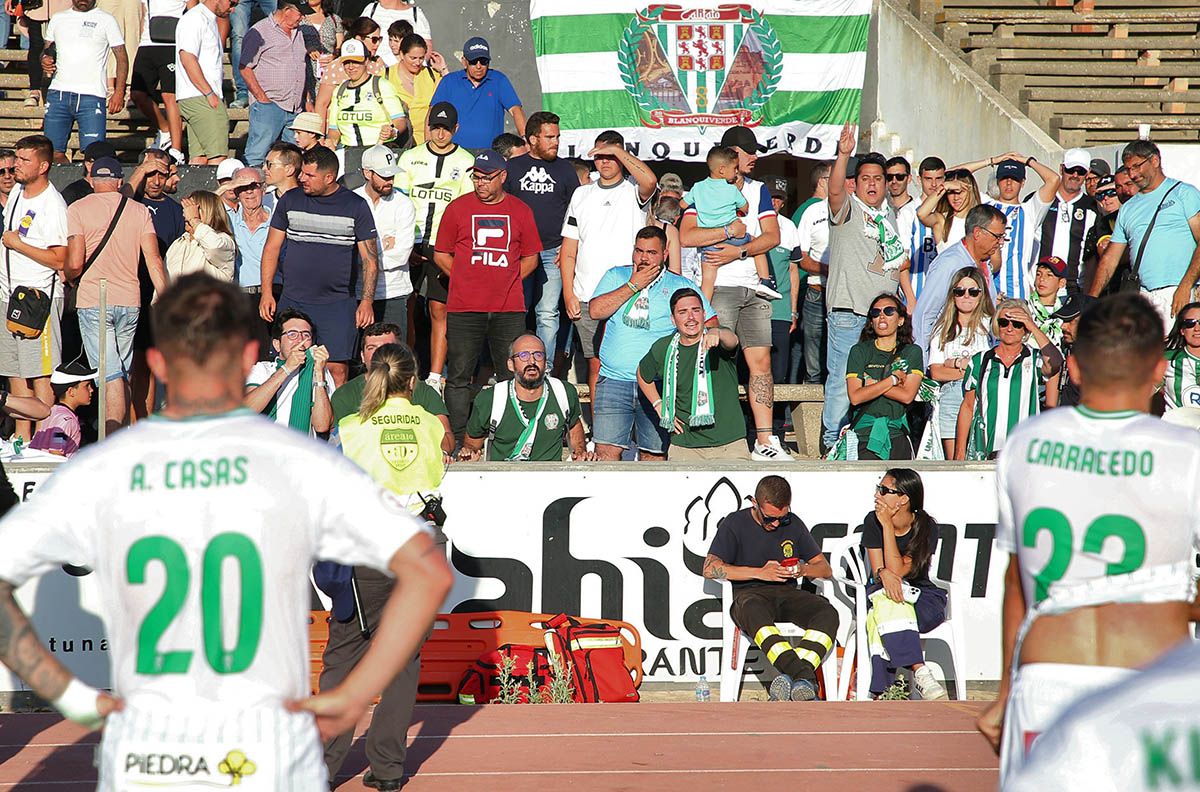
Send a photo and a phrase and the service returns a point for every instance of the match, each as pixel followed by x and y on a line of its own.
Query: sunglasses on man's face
pixel 1103 196
pixel 375 39
pixel 780 521
pixel 480 62
pixel 7 171
pixel 1076 171
pixel 1003 323
pixel 963 291
pixel 897 176
pixel 888 311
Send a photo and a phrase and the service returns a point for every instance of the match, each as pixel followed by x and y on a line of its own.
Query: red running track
pixel 877 746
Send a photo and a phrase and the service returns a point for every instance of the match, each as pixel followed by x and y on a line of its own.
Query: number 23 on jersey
pixel 1062 544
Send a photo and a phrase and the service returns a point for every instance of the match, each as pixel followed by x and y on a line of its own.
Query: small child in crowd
pixel 73 385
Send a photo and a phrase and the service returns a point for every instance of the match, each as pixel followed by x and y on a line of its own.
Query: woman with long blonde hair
pixel 962 329
pixel 945 210
pixel 207 246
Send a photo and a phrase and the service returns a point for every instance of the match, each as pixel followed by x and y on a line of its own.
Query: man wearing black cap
pixel 81 187
pixel 482 95
pixel 1097 170
pixel 1109 201
pixel 1022 218
pixel 735 297
pixel 487 244
pixel 1068 314
pixel 785 313
pixel 432 175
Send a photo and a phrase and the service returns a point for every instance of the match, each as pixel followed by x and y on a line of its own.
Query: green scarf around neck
pixel 300 417
pixel 702 387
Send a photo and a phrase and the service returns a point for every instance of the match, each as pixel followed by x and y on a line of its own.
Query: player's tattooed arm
pixel 714 568
pixel 22 651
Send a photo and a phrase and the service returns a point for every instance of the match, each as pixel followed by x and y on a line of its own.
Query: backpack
pixel 597 657
pixel 480 684
pixel 499 404
pixel 341 90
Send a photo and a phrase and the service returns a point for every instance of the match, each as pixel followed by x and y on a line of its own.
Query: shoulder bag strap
pixel 112 226
pixel 8 226
pixel 1137 262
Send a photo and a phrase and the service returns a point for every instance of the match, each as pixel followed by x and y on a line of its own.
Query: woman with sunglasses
pixel 883 375
pixel 900 539
pixel 1002 386
pixel 961 331
pixel 367 31
pixel 1181 382
pixel 945 210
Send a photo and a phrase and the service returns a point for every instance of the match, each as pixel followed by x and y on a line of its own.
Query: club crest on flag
pixel 700 67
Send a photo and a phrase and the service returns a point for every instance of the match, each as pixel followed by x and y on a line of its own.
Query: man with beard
pixel 526 418
pixel 395 220
pixel 697 369
pixel 1109 201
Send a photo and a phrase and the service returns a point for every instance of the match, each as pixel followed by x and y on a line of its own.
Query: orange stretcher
pixel 458 639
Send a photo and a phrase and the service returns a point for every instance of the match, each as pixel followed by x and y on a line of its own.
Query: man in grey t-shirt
pixel 865 257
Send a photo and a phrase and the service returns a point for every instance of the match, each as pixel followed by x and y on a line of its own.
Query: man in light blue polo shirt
pixel 636 302
pixel 250 223
pixel 1170 263
pixel 481 95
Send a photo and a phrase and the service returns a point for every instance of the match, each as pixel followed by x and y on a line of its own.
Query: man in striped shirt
pixel 913 232
pixel 1071 214
pixel 1022 218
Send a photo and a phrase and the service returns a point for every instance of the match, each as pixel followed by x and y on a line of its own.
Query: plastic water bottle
pixel 703 691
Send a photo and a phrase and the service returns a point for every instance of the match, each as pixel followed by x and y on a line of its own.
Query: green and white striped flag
pixel 673 77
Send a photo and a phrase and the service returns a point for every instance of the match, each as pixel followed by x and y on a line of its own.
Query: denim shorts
pixel 122 325
pixel 621 417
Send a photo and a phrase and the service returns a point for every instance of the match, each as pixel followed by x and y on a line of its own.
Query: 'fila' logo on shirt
pixel 491 237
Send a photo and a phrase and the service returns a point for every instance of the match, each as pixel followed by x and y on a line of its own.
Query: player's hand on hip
pixel 991 723
pixel 336 712
pixel 266 307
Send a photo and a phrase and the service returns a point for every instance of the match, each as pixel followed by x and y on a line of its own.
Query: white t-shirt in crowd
pixel 958 230
pixel 84 41
pixel 158 8
pixel 395 223
pixel 262 371
pixel 813 235
pixel 604 220
pixel 42 223
pixel 741 272
pixel 386 16
pixel 197 34
pixel 958 347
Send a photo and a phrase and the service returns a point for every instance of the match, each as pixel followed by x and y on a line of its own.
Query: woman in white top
pixel 385 12
pixel 208 245
pixel 945 210
pixel 960 332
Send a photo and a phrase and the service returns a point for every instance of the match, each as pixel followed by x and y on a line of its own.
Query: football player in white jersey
pixel 1137 737
pixel 1099 507
pixel 200 525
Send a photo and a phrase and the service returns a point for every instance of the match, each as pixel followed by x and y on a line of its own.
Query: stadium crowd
pixel 936 320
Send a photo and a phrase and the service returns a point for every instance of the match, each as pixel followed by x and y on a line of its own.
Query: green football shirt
pixel 729 422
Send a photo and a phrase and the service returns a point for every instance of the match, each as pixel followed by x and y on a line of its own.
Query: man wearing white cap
pixel 225 172
pixel 1070 216
pixel 395 221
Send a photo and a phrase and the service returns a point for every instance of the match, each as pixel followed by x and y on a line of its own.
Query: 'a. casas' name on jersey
pixel 193 474
pixel 1082 459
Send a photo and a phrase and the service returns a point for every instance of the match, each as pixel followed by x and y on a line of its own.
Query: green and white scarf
pixel 702 407
pixel 637 308
pixel 881 228
pixel 524 446
pixel 300 417
pixel 1040 314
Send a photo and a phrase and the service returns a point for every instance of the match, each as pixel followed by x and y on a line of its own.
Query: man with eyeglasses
pixel 1070 216
pixel 251 224
pixel 293 389
pixel 487 244
pixel 764 551
pixel 1023 218
pixel 528 418
pixel 985 227
pixel 481 95
pixel 1159 253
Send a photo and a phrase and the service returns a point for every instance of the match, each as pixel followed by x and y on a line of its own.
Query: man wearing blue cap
pixel 481 95
pixel 487 244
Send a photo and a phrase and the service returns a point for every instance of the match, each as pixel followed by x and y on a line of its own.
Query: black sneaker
pixel 382 784
pixel 766 288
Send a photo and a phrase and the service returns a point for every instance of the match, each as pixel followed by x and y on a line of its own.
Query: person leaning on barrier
pixel 527 418
pixel 763 551
pixel 697 369
pixel 404 448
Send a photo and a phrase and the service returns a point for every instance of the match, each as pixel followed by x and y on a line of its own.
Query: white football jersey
pixel 201 533
pixel 1086 495
pixel 1138 736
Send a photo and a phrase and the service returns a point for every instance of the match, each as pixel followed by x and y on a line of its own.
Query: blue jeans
pixel 64 109
pixel 621 416
pixel 843 331
pixel 268 122
pixel 812 325
pixel 239 23
pixel 122 324
pixel 543 292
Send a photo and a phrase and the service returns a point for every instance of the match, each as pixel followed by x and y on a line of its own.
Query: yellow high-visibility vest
pixel 400 446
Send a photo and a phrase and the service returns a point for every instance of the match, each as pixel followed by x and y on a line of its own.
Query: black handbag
pixel 1130 280
pixel 28 308
pixel 162 29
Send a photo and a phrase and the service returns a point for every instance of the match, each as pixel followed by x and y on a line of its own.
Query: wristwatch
pixel 742 254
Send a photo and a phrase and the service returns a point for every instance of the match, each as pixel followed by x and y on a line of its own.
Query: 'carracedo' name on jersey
pixel 1080 459
pixel 193 474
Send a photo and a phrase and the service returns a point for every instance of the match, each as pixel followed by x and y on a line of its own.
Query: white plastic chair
pixel 735 645
pixel 950 632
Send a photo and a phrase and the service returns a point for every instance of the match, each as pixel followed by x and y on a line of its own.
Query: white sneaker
pixel 928 686
pixel 437 382
pixel 162 140
pixel 770 451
